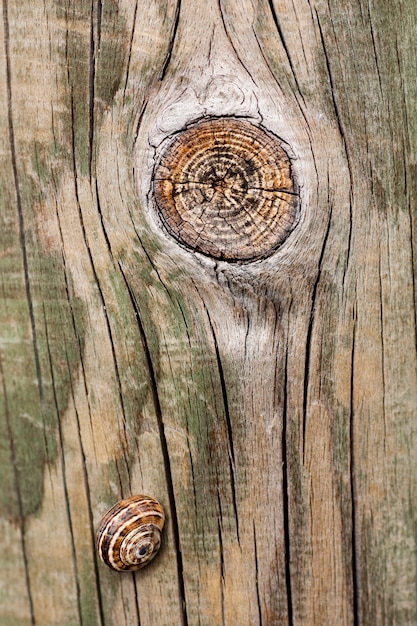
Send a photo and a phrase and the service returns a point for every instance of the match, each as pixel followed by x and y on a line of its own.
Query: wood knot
pixel 224 187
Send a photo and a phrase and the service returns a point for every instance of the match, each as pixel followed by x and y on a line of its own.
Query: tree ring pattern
pixel 224 187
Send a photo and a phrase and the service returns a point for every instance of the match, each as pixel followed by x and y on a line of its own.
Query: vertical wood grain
pixel 270 406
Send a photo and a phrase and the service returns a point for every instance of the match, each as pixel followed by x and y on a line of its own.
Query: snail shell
pixel 129 534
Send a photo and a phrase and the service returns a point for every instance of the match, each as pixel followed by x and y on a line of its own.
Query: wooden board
pixel 269 405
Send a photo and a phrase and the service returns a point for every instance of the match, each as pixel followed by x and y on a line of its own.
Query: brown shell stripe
pixel 121 520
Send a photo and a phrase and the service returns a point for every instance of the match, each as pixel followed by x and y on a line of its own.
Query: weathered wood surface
pixel 271 406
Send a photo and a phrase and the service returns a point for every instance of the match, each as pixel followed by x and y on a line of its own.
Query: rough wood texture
pixel 271 406
pixel 224 187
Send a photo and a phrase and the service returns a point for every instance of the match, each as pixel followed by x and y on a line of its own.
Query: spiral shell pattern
pixel 224 187
pixel 129 535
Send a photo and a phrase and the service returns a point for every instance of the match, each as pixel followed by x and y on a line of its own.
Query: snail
pixel 129 535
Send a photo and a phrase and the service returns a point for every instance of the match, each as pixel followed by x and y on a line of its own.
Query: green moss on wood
pixel 92 65
pixel 40 352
